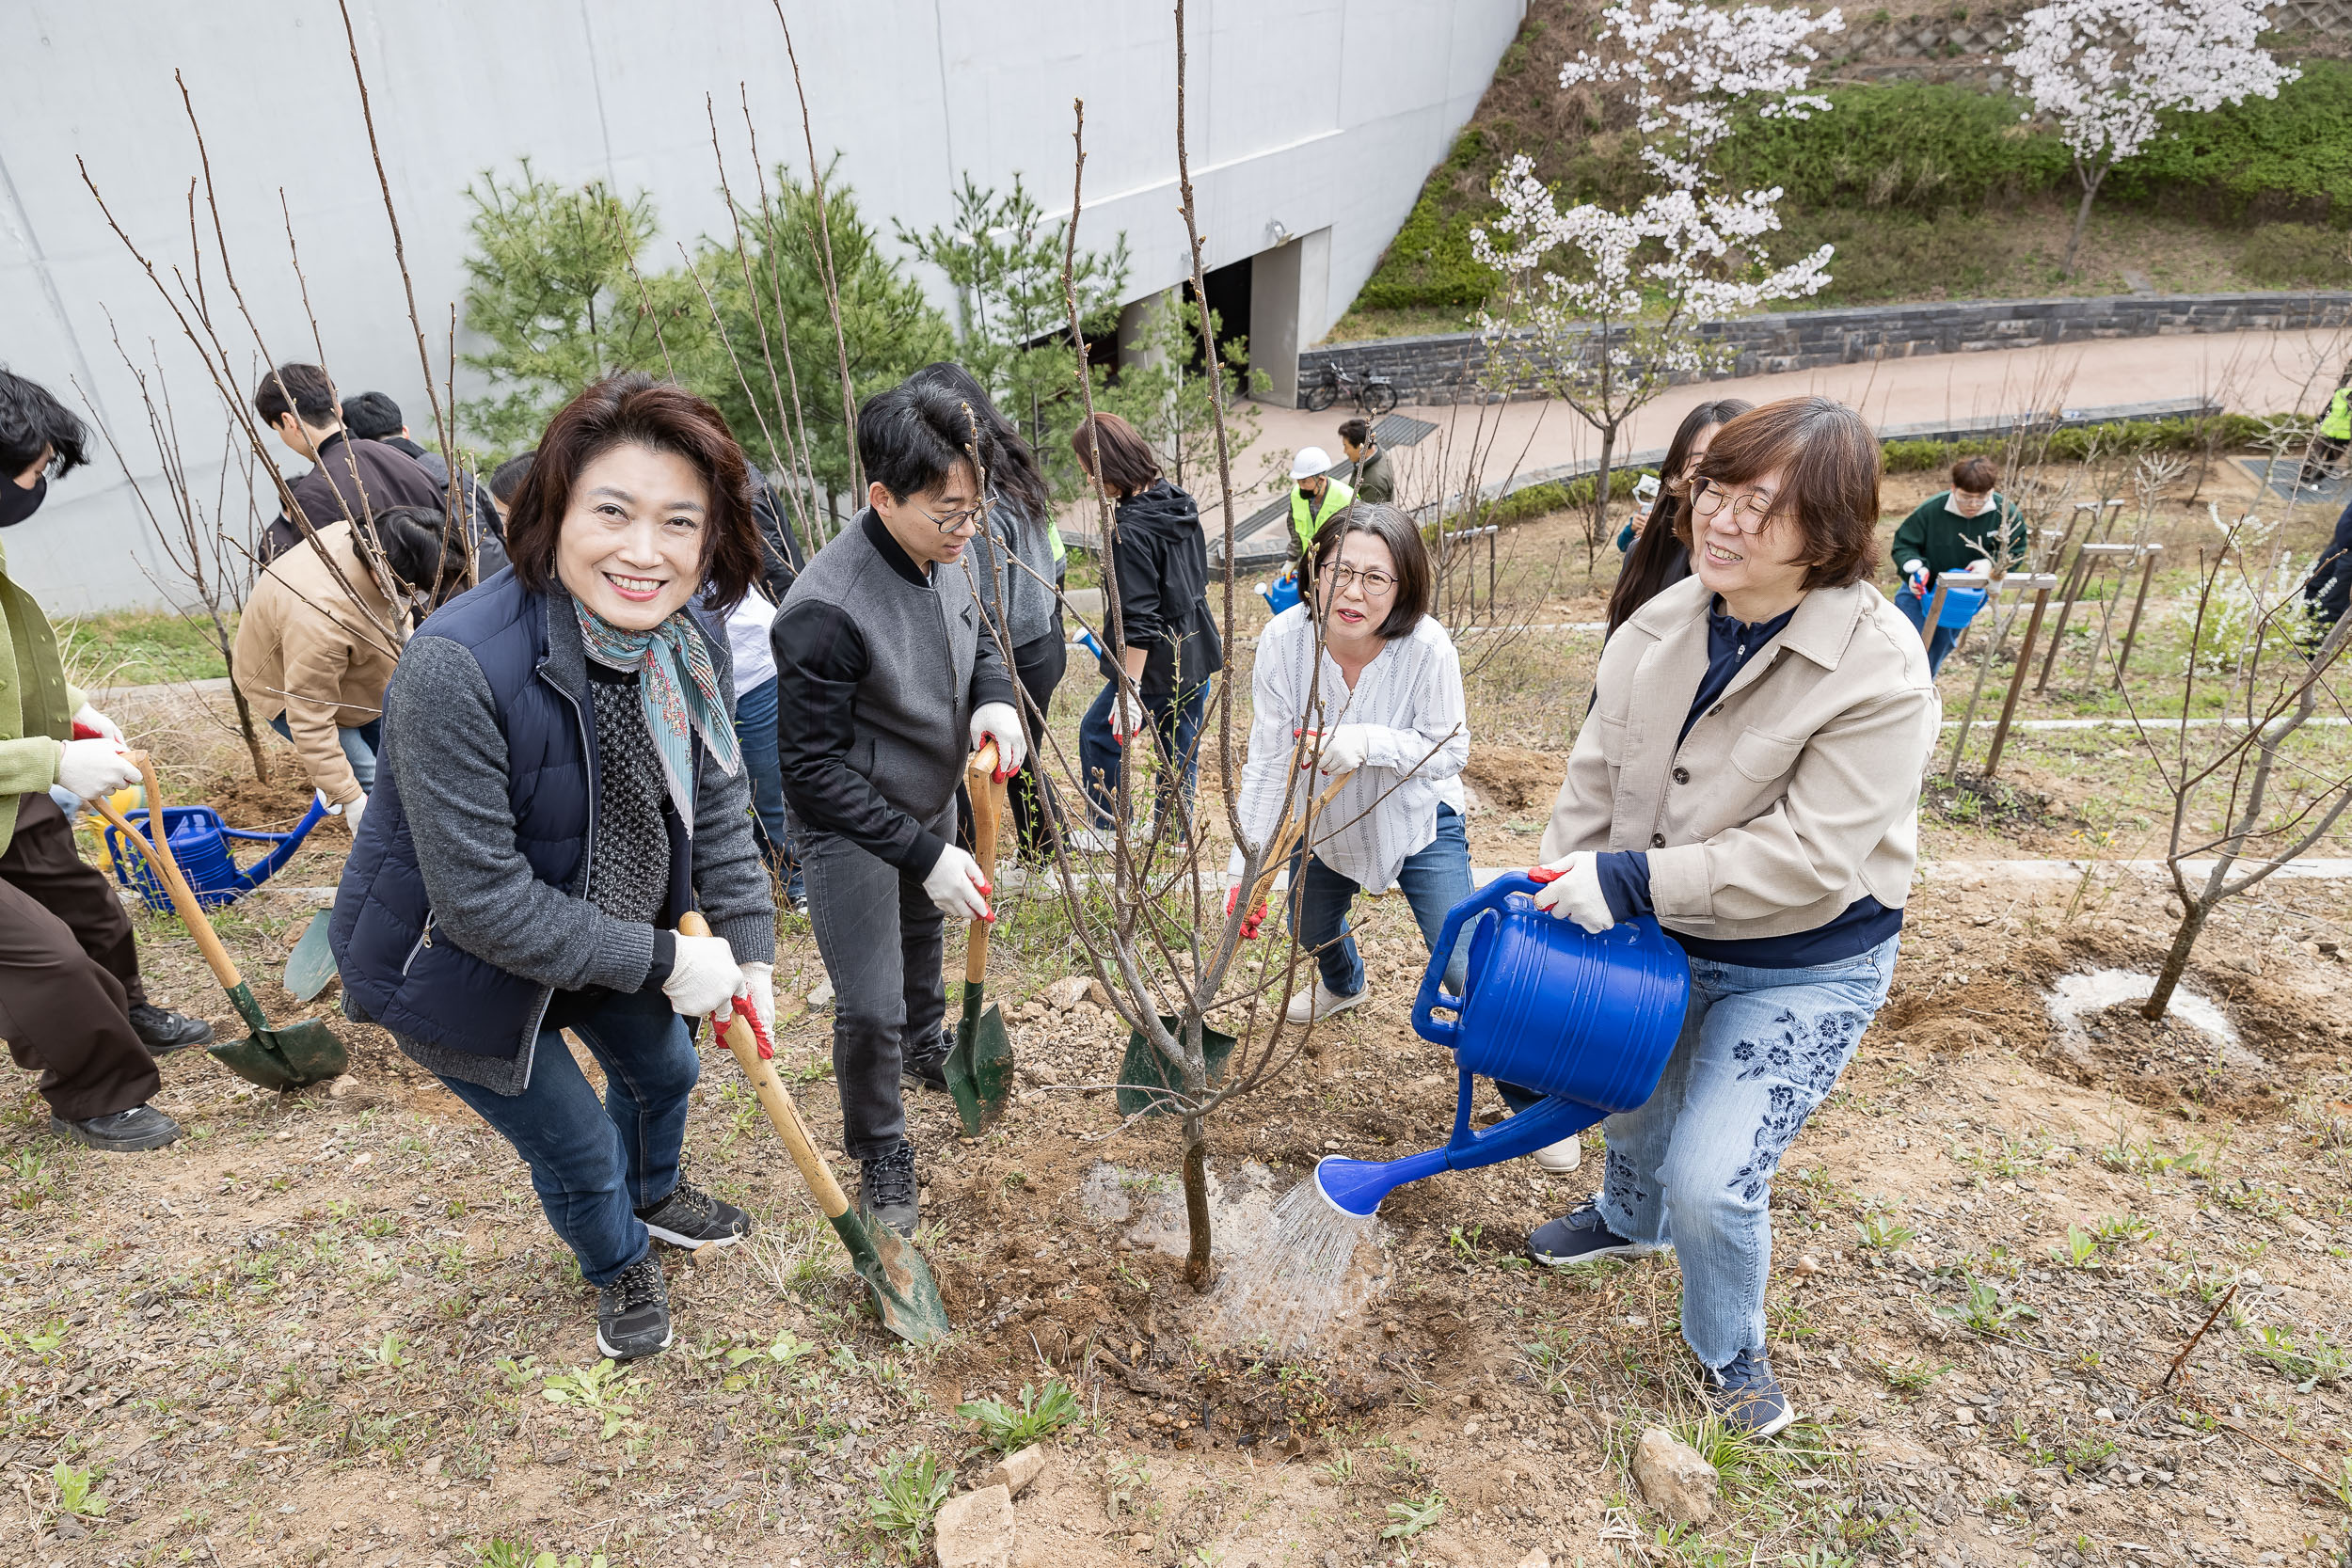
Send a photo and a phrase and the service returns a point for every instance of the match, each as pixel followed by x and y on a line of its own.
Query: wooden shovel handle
pixel 782 1114
pixel 988 815
pixel 158 853
pixel 1292 827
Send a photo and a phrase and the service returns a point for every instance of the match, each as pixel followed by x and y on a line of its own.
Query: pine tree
pixel 549 284
pixel 1005 262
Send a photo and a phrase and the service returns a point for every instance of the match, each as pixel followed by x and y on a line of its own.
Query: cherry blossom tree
pixel 1604 309
pixel 2104 69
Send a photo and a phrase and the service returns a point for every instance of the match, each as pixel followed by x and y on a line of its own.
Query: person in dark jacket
pixel 350 479
pixel 1375 479
pixel 2329 590
pixel 560 783
pixel 1957 530
pixel 1159 561
pixel 1013 567
pixel 375 417
pixel 888 681
pixel 1659 553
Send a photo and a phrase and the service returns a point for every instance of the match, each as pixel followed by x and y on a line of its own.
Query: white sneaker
pixel 1561 1157
pixel 1322 1002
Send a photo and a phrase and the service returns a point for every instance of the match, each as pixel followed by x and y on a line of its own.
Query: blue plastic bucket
pixel 1960 605
pixel 1588 1021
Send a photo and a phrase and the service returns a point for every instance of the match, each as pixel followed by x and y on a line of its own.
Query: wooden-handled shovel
pixel 980 1063
pixel 905 1296
pixel 305 1052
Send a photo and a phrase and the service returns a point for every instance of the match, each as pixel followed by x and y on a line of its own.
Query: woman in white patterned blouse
pixel 1367 676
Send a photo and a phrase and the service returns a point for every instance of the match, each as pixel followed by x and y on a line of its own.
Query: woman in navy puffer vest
pixel 560 783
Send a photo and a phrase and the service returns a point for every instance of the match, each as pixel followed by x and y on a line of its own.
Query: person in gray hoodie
pixel 888 682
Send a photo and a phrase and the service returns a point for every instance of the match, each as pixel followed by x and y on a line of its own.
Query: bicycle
pixel 1372 392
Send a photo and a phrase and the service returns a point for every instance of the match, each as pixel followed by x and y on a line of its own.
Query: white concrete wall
pixel 1313 114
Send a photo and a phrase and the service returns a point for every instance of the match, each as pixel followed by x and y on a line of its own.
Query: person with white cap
pixel 1314 497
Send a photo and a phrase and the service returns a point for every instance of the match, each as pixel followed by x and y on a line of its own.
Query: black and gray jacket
pixel 879 667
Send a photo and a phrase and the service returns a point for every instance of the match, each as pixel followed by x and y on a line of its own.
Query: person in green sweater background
pixel 71 1007
pixel 1954 531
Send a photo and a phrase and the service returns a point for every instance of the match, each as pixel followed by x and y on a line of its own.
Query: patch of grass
pixel 2081 1250
pixel 2320 1362
pixel 1040 1414
pixel 909 1488
pixel 2296 255
pixel 1413 1516
pixel 599 1391
pixel 77 1492
pixel 1879 1229
pixel 139 648
pixel 1911 1377
pixel 1983 1312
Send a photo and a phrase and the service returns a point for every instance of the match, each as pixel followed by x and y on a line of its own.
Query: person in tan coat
pixel 319 637
pixel 1749 777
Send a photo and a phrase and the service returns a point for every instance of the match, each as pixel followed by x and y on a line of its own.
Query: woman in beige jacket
pixel 1749 775
pixel 317 641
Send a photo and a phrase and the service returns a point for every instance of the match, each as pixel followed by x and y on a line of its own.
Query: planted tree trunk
pixel 2176 961
pixel 2082 214
pixel 1197 1269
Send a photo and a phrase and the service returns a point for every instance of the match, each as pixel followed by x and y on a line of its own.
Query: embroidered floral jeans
pixel 1693 1168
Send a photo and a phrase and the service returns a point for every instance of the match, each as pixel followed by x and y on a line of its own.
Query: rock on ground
pixel 1016 1470
pixel 976 1529
pixel 1677 1483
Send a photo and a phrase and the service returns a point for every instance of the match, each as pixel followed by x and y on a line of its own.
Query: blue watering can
pixel 1282 594
pixel 1589 1021
pixel 1960 605
pixel 199 842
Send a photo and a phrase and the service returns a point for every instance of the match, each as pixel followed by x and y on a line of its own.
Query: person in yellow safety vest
pixel 1314 498
pixel 2335 434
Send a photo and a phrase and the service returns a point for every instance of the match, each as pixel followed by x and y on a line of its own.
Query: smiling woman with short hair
pixel 560 783
pixel 1749 775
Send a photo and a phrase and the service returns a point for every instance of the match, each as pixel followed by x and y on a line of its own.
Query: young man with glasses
pixel 888 682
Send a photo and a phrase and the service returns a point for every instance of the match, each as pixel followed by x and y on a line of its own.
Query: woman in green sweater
pixel 1958 530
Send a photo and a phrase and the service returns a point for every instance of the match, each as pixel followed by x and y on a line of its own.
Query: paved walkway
pixel 2253 373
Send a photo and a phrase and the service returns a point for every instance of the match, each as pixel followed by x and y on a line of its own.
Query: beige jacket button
pixel 1682 775
pixel 1658 841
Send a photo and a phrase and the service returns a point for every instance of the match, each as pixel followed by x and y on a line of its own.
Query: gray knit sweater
pixel 1023 593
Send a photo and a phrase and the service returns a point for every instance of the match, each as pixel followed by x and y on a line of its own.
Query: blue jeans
pixel 1433 878
pixel 755 733
pixel 595 1163
pixel 359 747
pixel 1691 1169
pixel 1917 613
pixel 1175 728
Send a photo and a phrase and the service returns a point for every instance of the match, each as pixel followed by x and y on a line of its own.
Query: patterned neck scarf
pixel 680 688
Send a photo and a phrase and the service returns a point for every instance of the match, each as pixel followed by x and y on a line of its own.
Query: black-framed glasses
pixel 1375 583
pixel 1751 512
pixel 955 520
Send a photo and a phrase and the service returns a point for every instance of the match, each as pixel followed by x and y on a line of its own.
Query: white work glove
pixel 755 984
pixel 1002 722
pixel 89 718
pixel 353 810
pixel 94 768
pixel 1575 893
pixel 1983 564
pixel 1127 717
pixel 1915 576
pixel 703 977
pixel 956 885
pixel 1343 749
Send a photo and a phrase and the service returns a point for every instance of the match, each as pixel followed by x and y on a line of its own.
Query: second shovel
pixel 980 1064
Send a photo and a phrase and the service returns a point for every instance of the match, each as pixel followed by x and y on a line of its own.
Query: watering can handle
pixel 1489 898
pixel 284 846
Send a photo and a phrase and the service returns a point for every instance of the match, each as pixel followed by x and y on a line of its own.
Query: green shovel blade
pixel 905 1296
pixel 1146 1077
pixel 307 1052
pixel 979 1065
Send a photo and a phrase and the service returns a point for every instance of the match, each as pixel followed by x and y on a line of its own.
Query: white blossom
pixel 1688 66
pixel 2104 70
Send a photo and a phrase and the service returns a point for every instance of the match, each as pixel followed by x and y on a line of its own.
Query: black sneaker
pixel 128 1132
pixel 1747 1397
pixel 930 1071
pixel 885 1189
pixel 692 1219
pixel 164 1032
pixel 1579 1236
pixel 633 1312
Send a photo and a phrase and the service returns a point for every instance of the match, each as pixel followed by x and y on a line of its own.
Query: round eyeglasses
pixel 1751 512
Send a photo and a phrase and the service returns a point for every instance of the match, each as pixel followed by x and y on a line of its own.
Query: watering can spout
pixel 1357 1186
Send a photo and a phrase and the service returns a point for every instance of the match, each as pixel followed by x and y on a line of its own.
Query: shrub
pixel 2289 156
pixel 1919 146
pixel 2294 255
pixel 1429 263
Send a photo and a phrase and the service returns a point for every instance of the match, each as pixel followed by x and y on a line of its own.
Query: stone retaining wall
pixel 1448 367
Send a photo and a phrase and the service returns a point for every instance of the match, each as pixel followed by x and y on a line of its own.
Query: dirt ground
pixel 332 1325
